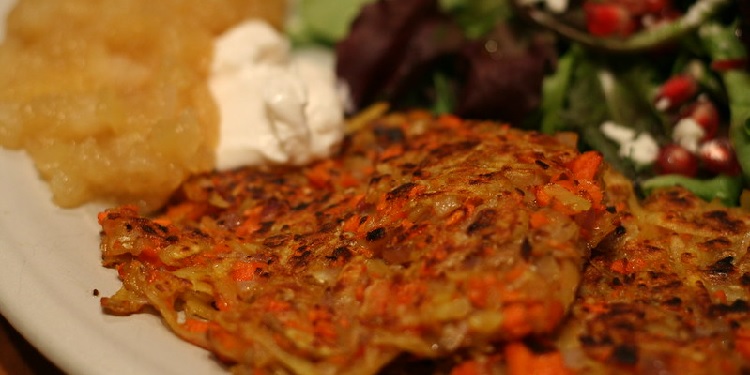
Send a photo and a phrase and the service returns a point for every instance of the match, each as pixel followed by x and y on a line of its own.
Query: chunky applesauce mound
pixel 110 98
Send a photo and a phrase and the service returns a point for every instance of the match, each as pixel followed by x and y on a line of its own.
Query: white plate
pixel 49 268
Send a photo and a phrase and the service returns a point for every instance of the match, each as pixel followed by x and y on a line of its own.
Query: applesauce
pixel 110 98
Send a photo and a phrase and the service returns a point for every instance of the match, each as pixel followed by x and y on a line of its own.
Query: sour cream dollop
pixel 277 106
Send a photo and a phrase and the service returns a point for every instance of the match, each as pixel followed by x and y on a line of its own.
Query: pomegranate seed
pixel 642 7
pixel 608 19
pixel 704 112
pixel 728 64
pixel 657 6
pixel 718 156
pixel 675 91
pixel 675 159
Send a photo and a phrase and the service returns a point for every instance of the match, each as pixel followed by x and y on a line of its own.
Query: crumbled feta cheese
pixel 607 81
pixel 617 133
pixel 642 149
pixel 697 12
pixel 663 104
pixel 555 6
pixel 687 133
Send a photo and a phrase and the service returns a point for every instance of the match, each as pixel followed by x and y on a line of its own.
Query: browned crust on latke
pixel 417 239
pixel 669 293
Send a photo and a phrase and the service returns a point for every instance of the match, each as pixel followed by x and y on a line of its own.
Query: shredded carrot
pixel 521 361
pixel 550 314
pixel 351 224
pixel 226 340
pixel 391 152
pixel 542 198
pixel 439 254
pixel 323 326
pixel 348 180
pixel 165 221
pixel 221 248
pixel 597 307
pixel 320 175
pixel 417 190
pixel 538 219
pixel 121 271
pixel 593 193
pixel 585 166
pixel 742 342
pixel 510 295
pixel 149 252
pixel 410 293
pixel 251 222
pixel 720 296
pixel 514 320
pixel 326 330
pixel 619 266
pixel 183 211
pixel 317 313
pixel 480 288
pixel 621 206
pixel 101 216
pixel 393 211
pixel 195 325
pixel 468 368
pixel 450 121
pixel 455 217
pixel 516 272
pixel 359 293
pixel 626 266
pixel 245 271
pixel 277 306
pixel 295 323
pixel 356 200
pixel 743 347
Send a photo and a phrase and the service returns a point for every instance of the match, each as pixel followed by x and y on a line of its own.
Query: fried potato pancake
pixel 669 293
pixel 666 293
pixel 425 236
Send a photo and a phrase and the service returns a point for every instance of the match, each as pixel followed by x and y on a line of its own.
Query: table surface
pixel 18 357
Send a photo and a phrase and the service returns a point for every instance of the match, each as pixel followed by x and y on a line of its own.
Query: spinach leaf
pixel 726 189
pixel 477 17
pixel 722 43
pixel 555 89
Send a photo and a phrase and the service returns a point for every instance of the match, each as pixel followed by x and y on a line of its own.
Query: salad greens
pixel 722 44
pixel 643 41
pixel 323 21
pixel 726 189
pixel 477 17
pixel 587 90
pixel 518 61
